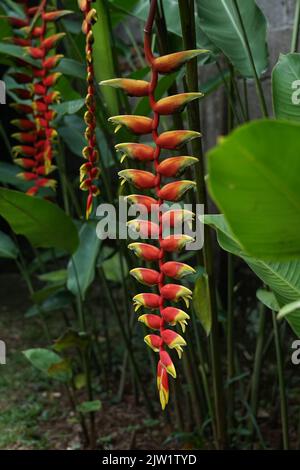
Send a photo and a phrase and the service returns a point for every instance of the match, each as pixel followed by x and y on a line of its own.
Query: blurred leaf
pixel 201 302
pixel 43 223
pixel 288 309
pixel 72 67
pixel 112 268
pixel 8 248
pixel 8 175
pixel 79 381
pixel 73 138
pixel 41 295
pixel 220 23
pixel 285 73
pixel 81 268
pixel 89 406
pixel 282 277
pixel 70 340
pixel 57 301
pixel 61 370
pixel 257 189
pixel 45 359
pixel 69 107
pixel 16 52
pixel 59 276
pixel 268 299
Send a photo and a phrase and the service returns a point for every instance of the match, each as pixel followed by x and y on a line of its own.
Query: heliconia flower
pixel 167 363
pixel 153 341
pixel 137 124
pixel 173 340
pixel 174 166
pixel 174 315
pixel 144 201
pixel 151 301
pixel 175 243
pixel 146 228
pixel 25 137
pixel 139 152
pixel 176 292
pixel 21 77
pixel 23 124
pixel 22 93
pixel 176 103
pixel 52 40
pixel 162 385
pixel 52 61
pixel 172 62
pixel 140 178
pixel 176 217
pixel 130 86
pixel 173 140
pixel 145 251
pixel 176 270
pixel 148 277
pixel 174 191
pixel 23 150
pixel 56 14
pixel 151 321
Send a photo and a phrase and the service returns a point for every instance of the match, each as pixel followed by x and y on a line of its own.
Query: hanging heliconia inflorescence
pixel 35 79
pixel 164 338
pixel 89 171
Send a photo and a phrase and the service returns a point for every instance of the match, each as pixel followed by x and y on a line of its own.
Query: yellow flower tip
pixel 164 398
pixel 171 370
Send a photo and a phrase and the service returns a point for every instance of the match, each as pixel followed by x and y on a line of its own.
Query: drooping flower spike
pixel 89 171
pixel 159 317
pixel 34 152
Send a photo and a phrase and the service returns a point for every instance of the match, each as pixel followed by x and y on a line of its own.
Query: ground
pixel 35 413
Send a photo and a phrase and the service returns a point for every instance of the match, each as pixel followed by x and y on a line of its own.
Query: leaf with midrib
pixel 42 222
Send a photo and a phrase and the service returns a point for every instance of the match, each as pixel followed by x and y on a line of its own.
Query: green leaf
pixel 39 296
pixel 220 23
pixel 268 299
pixel 49 363
pixel 283 278
pixel 43 223
pixel 16 52
pixel 72 68
pixel 70 340
pixel 8 175
pixel 69 107
pixel 257 189
pixel 285 87
pixel 112 268
pixel 8 248
pixel 201 302
pixel 288 309
pixel 89 406
pixel 59 276
pixel 104 68
pixel 81 268
pixel 57 301
pixel 73 138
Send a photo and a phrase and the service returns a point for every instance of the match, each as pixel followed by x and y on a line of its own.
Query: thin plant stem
pixel 281 382
pixel 258 357
pixel 230 341
pixel 187 16
pixel 258 84
pixel 295 35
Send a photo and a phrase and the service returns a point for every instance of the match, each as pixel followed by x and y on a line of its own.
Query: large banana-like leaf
pixel 220 23
pixel 286 87
pixel 254 180
pixel 282 277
